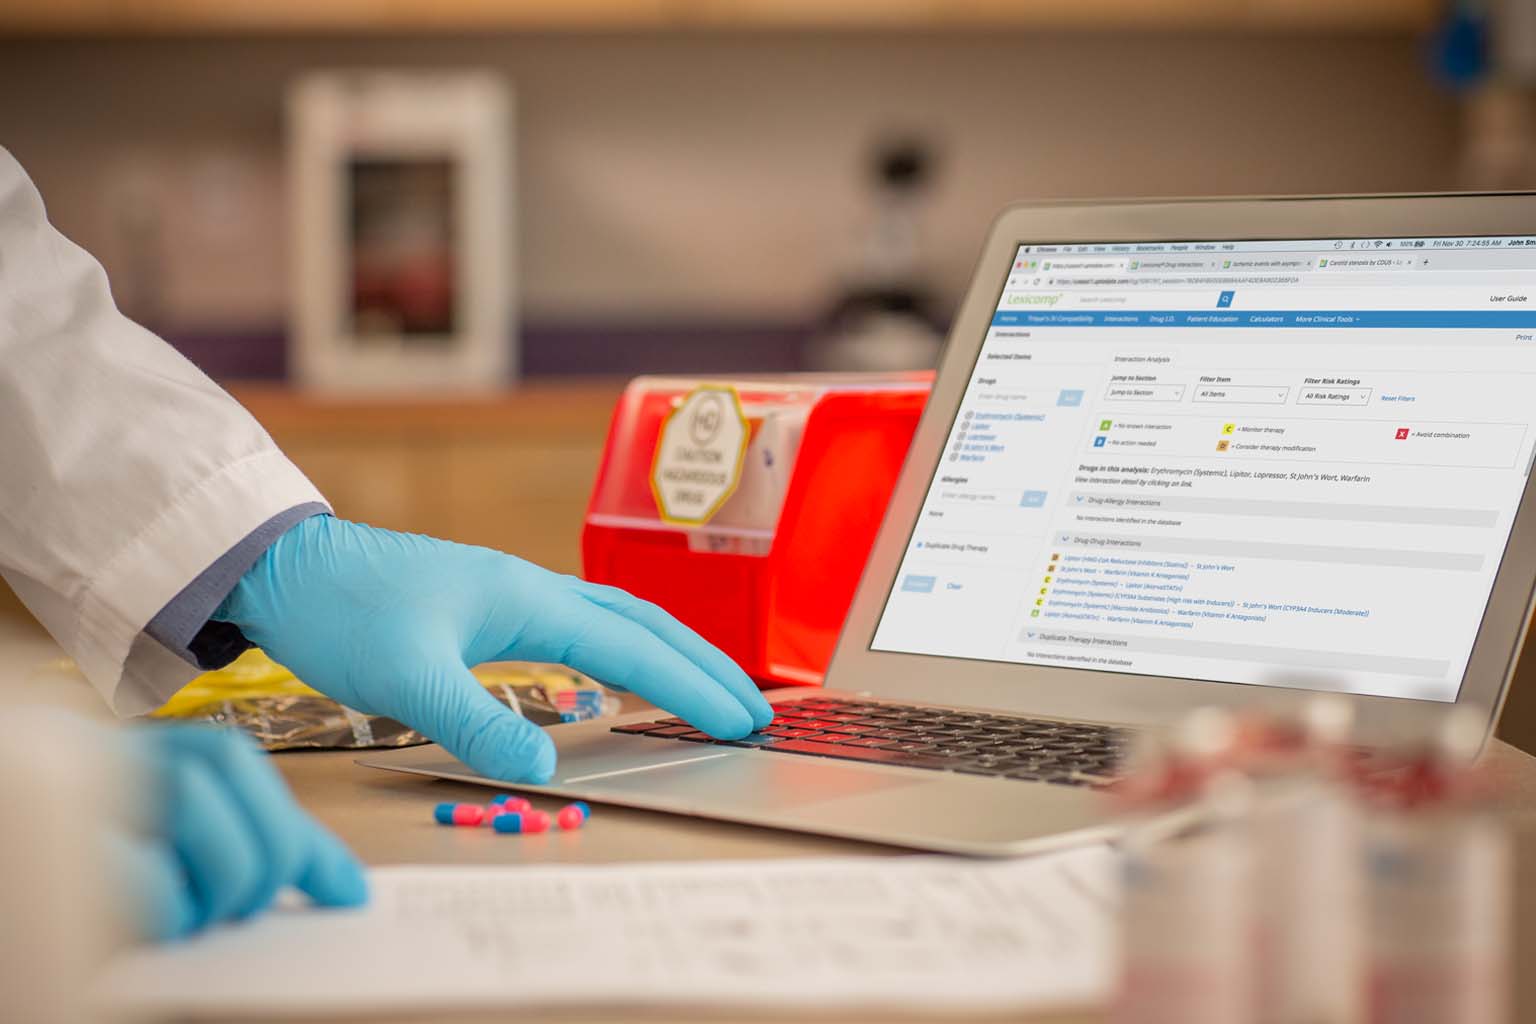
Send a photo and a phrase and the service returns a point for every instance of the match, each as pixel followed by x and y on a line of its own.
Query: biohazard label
pixel 699 455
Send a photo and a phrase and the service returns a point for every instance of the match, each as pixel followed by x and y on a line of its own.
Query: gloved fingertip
pixel 334 877
pixel 731 724
pixel 543 768
pixel 510 748
pixel 348 886
pixel 172 916
pixel 761 712
pixel 150 895
pixel 741 686
pixel 169 923
pixel 193 919
pixel 533 762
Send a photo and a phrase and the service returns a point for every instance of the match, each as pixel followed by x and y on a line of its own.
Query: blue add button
pixel 1032 499
pixel 919 584
pixel 1069 397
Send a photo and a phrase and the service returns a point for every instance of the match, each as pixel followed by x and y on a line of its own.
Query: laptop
pixel 1227 453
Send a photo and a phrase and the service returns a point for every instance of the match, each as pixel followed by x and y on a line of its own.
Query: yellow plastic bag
pixel 262 697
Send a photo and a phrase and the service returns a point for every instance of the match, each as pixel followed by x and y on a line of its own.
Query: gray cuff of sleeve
pixel 178 623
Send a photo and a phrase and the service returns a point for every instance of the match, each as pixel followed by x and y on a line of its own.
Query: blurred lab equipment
pixel 1308 901
pixel 1275 874
pixel 60 921
pixel 1485 52
pixel 761 555
pixel 402 196
pixel 884 318
pixel 1438 883
pixel 1187 907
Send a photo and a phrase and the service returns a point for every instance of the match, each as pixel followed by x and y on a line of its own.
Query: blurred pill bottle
pixel 1438 888
pixel 61 898
pixel 1309 928
pixel 1186 949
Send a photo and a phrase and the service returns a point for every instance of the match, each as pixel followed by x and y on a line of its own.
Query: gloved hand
pixel 390 623
pixel 218 834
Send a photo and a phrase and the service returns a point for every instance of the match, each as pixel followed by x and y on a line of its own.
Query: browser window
pixel 1283 463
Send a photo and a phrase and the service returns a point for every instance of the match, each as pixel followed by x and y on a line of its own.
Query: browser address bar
pixel 1179 281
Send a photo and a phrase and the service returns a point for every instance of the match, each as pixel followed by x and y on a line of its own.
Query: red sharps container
pixel 747 507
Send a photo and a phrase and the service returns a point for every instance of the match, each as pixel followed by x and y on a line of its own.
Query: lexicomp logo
pixel 1035 298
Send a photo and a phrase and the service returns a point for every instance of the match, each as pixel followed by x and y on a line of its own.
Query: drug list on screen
pixel 1279 463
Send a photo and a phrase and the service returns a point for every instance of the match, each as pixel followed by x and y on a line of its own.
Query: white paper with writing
pixel 910 932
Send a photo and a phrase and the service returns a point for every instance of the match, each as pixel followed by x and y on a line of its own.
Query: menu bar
pixel 1511 319
pixel 1285 245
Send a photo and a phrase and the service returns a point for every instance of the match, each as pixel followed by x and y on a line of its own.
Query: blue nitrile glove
pixel 218 834
pixel 390 623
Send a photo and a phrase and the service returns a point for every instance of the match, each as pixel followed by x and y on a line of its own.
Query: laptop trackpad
pixel 757 780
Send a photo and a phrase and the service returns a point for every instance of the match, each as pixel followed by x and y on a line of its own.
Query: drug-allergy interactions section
pixel 1274 463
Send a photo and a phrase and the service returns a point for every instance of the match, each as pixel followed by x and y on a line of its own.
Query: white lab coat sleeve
pixel 124 471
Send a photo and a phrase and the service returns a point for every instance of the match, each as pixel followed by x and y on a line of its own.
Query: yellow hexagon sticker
pixel 699 455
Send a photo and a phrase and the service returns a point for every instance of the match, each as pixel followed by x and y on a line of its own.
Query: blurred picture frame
pixel 402 198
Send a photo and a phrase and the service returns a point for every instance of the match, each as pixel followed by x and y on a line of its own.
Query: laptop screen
pixel 1279 463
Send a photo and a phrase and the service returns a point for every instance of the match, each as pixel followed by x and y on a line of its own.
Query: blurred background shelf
pixel 98 17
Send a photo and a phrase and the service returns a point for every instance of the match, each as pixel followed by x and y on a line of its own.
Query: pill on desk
pixel 517 803
pixel 570 817
pixel 535 821
pixel 512 821
pixel 468 814
pixel 501 798
pixel 581 805
pixel 443 813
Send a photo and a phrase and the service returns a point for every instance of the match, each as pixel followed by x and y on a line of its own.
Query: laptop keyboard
pixel 940 739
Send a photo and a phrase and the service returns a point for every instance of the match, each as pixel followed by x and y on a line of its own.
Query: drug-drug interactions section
pixel 1274 463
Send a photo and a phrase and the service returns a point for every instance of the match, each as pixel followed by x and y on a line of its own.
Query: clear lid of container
pixel 713 456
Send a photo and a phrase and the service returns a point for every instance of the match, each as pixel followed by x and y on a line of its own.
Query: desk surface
pixel 386 818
